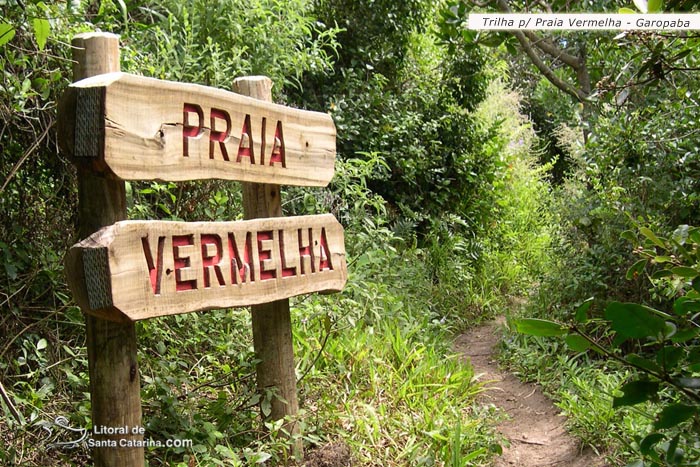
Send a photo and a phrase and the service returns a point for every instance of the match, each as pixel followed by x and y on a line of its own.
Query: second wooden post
pixel 272 326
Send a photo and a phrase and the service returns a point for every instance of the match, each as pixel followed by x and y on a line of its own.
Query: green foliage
pixel 428 142
pixel 637 164
pixel 583 388
pixel 200 386
pixel 403 97
pixel 664 346
pixel 212 43
pixel 42 359
pixel 539 327
pixel 375 32
pixel 44 363
pixel 518 236
pixel 7 32
pixel 386 378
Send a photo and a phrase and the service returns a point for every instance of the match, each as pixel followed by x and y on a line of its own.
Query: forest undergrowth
pixel 463 179
pixel 374 363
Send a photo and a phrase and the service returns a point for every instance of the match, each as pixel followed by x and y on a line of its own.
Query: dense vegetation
pixel 465 177
pixel 623 276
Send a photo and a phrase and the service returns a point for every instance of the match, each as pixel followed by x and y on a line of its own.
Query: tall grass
pixel 384 378
pixel 396 394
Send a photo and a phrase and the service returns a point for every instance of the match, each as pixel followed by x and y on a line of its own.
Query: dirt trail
pixel 534 428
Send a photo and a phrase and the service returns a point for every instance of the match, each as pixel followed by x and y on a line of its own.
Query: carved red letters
pixel 222 143
pixel 238 258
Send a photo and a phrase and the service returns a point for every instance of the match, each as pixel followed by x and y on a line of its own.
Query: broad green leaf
pixel 11 270
pixel 661 273
pixel 684 335
pixel 629 235
pixel 636 269
pixel 663 259
pixel 266 407
pixel 680 235
pixel 577 343
pixel 492 39
pixel 649 442
pixel 694 235
pixel 670 329
pixel 673 454
pixel 582 310
pixel 628 11
pixel 668 357
pixel 618 340
pixel 635 321
pixel 673 415
pixel 696 284
pixel 636 392
pixel 7 32
pixel 539 327
pixel 41 345
pixel 199 448
pixel 684 271
pixel 641 5
pixel 643 363
pixel 678 56
pixel 651 236
pixel 685 305
pixel 655 6
pixel 42 28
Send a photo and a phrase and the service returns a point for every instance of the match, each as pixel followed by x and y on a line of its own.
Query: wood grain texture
pixel 115 387
pixel 272 323
pixel 149 129
pixel 137 270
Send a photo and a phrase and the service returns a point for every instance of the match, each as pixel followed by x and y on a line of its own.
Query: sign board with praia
pixel 138 128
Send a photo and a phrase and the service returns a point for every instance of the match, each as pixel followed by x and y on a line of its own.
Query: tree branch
pixel 546 71
pixel 529 39
pixel 546 46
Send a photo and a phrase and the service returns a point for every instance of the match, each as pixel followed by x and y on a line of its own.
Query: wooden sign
pixel 147 129
pixel 136 270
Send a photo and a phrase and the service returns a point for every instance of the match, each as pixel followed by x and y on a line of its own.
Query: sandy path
pixel 534 428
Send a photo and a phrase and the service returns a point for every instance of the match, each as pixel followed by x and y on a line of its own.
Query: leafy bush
pixel 213 43
pixel 660 346
pixel 638 164
pixel 519 234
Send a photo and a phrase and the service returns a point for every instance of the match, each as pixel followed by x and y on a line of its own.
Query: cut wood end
pixel 87 274
pixel 99 80
pixel 95 34
pixel 257 78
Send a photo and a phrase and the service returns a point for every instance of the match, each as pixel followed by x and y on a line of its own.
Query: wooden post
pixel 272 326
pixel 114 375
